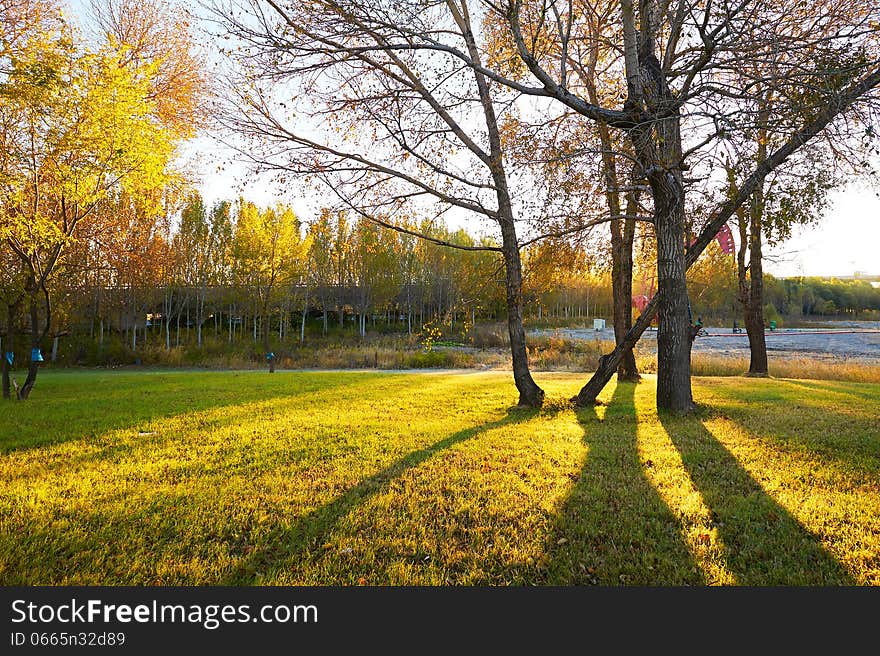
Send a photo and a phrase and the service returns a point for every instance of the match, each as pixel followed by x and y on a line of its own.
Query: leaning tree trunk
pixel 529 393
pixel 608 363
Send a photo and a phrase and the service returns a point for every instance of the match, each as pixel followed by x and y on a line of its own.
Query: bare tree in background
pixel 777 102
pixel 601 155
pixel 399 128
pixel 411 109
pixel 683 63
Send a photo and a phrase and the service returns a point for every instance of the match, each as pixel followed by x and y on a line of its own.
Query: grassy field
pixel 431 478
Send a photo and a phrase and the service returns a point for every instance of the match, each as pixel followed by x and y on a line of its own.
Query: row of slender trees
pixel 255 273
pixel 236 272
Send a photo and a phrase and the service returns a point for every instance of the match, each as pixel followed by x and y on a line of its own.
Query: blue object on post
pixel 10 356
pixel 36 356
pixel 269 356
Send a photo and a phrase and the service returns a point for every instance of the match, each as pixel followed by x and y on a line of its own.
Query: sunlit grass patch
pixel 362 477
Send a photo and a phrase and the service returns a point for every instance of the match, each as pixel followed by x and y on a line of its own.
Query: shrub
pixel 429 359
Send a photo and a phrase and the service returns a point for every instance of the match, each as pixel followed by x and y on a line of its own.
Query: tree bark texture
pixel 657 145
pixel 673 333
pixel 753 315
pixel 529 392
pixel 622 235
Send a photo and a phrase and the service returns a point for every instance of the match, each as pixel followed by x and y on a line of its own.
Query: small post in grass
pixel 270 356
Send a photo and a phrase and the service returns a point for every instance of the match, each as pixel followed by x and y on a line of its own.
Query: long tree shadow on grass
pixel 836 428
pixel 614 528
pixel 858 391
pixel 303 539
pixel 762 542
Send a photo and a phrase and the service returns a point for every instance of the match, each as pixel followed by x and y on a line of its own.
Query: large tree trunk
pixel 673 333
pixel 622 236
pixel 529 393
pixel 754 309
pixel 657 146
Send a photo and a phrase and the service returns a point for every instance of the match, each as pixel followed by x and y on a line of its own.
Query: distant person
pixel 696 328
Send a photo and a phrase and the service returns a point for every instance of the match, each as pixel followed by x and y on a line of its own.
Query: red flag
pixel 725 239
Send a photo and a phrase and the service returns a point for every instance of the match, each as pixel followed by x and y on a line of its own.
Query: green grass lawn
pixel 431 478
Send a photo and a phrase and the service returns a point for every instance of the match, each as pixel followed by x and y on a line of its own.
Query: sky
pixel 843 242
